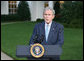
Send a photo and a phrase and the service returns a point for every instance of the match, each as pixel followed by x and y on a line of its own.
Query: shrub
pixel 57 7
pixel 72 10
pixel 39 20
pixel 10 17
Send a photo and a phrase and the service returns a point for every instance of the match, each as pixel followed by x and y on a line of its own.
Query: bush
pixel 10 17
pixel 72 25
pixel 57 7
pixel 72 10
pixel 58 19
pixel 39 20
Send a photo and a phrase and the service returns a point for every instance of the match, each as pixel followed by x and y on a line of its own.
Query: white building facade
pixel 36 8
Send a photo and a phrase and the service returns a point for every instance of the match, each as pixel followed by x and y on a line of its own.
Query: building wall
pixel 36 8
pixel 4 8
pixel 50 4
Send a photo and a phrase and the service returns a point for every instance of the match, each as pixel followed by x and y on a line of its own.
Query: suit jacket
pixel 55 35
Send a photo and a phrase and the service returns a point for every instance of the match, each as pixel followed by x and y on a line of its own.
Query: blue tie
pixel 47 32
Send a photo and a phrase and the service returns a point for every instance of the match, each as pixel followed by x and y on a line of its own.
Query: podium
pixel 50 51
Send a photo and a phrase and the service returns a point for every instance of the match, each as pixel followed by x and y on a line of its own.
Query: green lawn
pixel 20 33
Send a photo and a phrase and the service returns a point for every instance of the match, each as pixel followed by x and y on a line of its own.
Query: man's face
pixel 48 16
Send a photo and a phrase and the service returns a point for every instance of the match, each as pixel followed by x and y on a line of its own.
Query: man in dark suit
pixel 52 31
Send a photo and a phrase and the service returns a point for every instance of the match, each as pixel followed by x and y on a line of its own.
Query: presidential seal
pixel 37 50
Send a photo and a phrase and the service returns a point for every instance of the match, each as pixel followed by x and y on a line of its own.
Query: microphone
pixel 41 39
pixel 38 39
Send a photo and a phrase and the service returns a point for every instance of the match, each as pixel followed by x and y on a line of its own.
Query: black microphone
pixel 38 38
pixel 41 39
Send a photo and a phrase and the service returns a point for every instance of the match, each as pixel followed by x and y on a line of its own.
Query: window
pixel 12 7
pixel 46 4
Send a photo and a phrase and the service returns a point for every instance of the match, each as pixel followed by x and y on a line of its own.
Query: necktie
pixel 47 31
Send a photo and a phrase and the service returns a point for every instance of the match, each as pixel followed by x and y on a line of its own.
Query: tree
pixel 57 7
pixel 72 12
pixel 66 11
pixel 23 10
pixel 57 10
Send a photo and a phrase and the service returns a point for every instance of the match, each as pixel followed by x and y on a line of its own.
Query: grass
pixel 20 33
pixel 73 44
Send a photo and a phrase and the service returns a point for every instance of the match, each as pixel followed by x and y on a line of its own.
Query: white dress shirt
pixel 49 26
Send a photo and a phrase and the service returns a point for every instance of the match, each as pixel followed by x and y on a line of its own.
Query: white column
pixel 17 3
pixel 4 8
pixel 37 10
pixel 50 4
pixel 29 3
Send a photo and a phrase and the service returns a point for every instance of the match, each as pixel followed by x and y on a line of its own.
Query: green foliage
pixel 23 10
pixel 10 18
pixel 57 11
pixel 72 10
pixel 72 13
pixel 57 7
pixel 39 20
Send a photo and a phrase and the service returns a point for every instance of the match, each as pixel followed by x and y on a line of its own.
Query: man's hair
pixel 48 8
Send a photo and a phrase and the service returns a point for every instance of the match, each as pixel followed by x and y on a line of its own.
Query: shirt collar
pixel 49 23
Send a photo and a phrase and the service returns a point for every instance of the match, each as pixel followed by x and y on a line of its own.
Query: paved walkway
pixel 13 22
pixel 9 23
pixel 5 57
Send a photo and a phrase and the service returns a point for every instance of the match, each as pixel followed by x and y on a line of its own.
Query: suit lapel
pixel 51 31
pixel 43 30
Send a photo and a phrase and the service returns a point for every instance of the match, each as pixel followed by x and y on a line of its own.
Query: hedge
pixel 10 17
pixel 71 25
